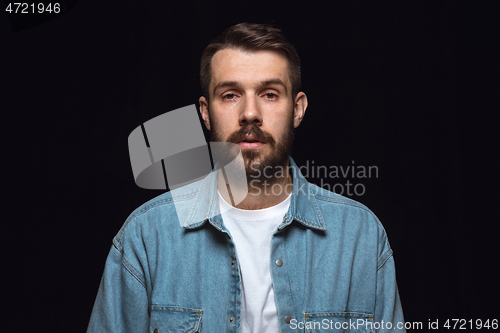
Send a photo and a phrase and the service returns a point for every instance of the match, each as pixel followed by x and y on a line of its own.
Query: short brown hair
pixel 250 37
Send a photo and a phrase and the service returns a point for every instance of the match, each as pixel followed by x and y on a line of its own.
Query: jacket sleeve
pixel 121 304
pixel 388 310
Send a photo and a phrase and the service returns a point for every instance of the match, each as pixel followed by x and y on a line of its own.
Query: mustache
pixel 254 130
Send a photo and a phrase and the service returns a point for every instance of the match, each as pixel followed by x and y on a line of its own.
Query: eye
pixel 229 96
pixel 271 96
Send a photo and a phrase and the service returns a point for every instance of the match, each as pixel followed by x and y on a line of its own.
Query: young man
pixel 289 257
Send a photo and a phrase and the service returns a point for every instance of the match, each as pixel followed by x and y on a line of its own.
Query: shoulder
pixel 331 198
pixel 352 219
pixel 159 213
pixel 337 209
pixel 332 201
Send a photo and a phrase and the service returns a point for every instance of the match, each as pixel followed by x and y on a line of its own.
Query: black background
pixel 384 83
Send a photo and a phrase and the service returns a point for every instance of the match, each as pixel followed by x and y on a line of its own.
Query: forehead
pixel 248 67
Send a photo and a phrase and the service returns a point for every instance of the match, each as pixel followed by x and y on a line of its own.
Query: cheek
pixel 222 125
pixel 283 123
pixel 225 118
pixel 220 115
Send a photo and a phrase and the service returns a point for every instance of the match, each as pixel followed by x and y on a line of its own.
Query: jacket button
pixel 231 319
pixel 233 262
pixel 156 330
pixel 288 319
pixel 279 263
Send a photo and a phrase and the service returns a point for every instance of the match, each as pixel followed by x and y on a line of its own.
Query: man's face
pixel 251 105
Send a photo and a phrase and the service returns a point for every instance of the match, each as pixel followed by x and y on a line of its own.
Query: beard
pixel 262 169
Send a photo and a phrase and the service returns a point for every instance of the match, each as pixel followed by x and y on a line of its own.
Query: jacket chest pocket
pixel 175 319
pixel 338 322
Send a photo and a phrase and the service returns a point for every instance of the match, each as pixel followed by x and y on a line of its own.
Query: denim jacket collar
pixel 202 203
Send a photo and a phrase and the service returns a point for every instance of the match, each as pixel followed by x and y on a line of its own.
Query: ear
pixel 204 111
pixel 299 108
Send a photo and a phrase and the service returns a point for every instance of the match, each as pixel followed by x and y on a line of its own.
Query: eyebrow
pixel 262 83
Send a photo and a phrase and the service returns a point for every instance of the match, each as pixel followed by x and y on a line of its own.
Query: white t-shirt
pixel 252 231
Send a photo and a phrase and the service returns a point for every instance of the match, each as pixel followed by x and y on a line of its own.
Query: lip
pixel 251 145
pixel 250 142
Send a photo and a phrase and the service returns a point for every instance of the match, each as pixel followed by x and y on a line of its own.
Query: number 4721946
pixel 462 324
pixel 32 8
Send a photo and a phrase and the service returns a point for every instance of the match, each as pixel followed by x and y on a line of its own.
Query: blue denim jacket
pixel 336 272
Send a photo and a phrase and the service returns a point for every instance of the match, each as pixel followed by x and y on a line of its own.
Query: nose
pixel 250 113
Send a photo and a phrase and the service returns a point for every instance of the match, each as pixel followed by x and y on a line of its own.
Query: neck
pixel 261 194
